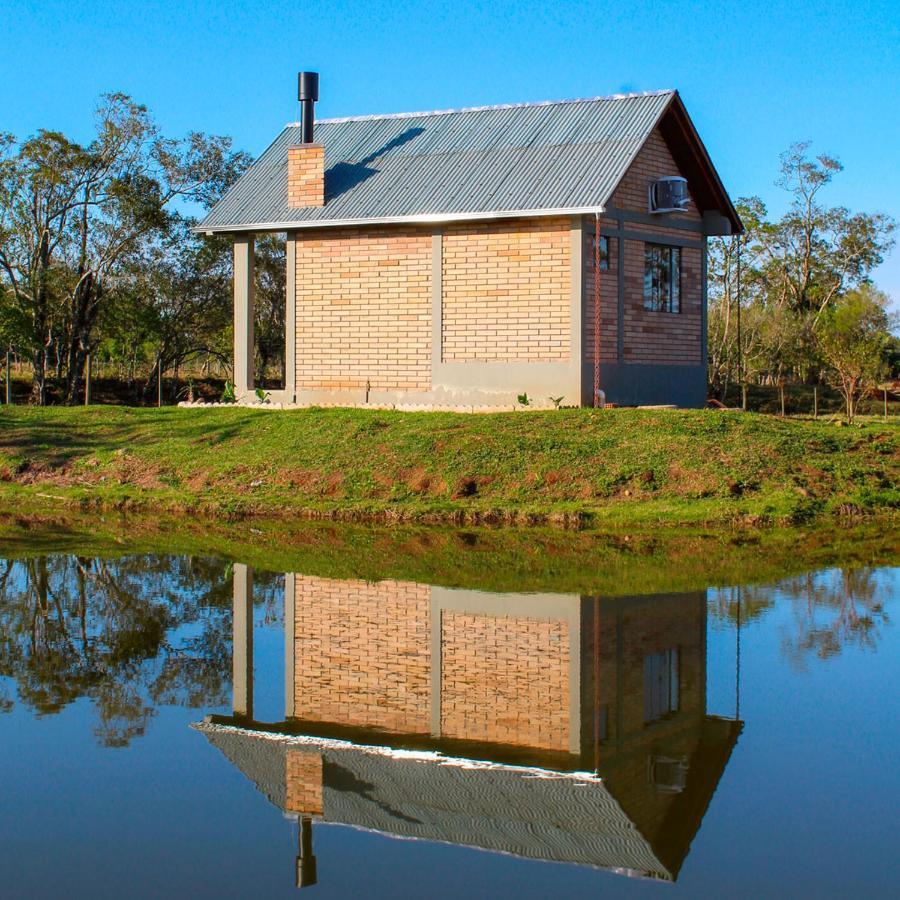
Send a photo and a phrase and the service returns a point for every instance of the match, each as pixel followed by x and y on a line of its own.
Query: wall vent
pixel 669 195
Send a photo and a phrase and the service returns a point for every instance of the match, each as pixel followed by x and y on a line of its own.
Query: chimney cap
pixel 308 86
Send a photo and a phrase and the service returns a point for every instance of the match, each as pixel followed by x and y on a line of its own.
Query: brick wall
pixel 306 175
pixel 658 337
pixel 362 653
pixel 505 680
pixel 506 291
pixel 303 782
pixel 364 309
pixel 609 294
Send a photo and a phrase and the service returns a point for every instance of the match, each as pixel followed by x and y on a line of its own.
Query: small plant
pixel 228 393
pixel 523 399
pixel 261 395
pixel 556 401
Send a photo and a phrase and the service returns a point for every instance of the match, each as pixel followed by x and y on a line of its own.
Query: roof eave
pixel 416 219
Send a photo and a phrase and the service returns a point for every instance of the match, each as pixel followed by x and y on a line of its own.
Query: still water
pixel 186 725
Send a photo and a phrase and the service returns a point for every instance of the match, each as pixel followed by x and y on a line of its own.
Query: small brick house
pixel 450 258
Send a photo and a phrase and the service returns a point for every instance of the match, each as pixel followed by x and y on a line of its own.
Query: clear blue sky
pixel 755 76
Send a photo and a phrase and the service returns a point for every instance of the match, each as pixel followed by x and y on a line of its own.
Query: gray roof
pixel 530 159
pixel 525 812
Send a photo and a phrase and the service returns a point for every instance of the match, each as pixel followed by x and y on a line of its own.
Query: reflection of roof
pixel 523 811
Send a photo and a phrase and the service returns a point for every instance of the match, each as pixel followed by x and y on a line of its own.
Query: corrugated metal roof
pixel 528 159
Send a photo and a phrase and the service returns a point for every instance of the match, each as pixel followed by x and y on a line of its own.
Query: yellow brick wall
pixel 303 782
pixel 362 653
pixel 658 337
pixel 306 175
pixel 505 680
pixel 364 309
pixel 506 291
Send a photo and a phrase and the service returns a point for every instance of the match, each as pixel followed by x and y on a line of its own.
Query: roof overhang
pixel 417 219
pixel 689 152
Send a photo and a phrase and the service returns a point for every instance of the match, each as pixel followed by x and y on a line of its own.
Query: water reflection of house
pixel 574 686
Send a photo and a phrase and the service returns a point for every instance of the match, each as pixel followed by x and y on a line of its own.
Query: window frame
pixel 655 255
pixel 605 250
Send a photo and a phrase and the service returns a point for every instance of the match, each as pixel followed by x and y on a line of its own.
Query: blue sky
pixel 755 76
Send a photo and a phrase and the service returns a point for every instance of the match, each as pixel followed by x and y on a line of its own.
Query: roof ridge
pixel 468 109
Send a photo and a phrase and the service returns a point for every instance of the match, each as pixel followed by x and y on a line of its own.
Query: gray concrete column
pixel 290 320
pixel 576 311
pixel 290 643
pixel 243 314
pixel 242 641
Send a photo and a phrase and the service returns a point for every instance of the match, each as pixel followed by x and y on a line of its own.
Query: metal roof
pixel 487 162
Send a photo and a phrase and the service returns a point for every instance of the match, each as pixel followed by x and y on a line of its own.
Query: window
pixel 662 278
pixel 604 252
pixel 660 684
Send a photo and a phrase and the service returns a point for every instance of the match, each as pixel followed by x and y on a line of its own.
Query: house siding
pixel 658 338
pixel 478 313
pixel 363 309
pixel 506 292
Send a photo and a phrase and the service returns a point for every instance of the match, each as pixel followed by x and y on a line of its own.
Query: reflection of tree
pixel 129 634
pixel 754 599
pixel 832 610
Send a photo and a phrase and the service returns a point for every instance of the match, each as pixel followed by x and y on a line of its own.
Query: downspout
pixel 596 310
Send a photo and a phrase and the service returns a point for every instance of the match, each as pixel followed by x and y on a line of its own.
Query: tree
pixel 73 217
pixel 854 339
pixel 816 252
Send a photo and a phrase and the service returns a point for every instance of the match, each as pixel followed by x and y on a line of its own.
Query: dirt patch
pixel 689 482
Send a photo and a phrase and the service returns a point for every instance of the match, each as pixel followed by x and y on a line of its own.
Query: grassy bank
pixel 616 468
pixel 489 559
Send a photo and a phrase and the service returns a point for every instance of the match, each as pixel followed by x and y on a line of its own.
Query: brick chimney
pixel 306 161
pixel 306 175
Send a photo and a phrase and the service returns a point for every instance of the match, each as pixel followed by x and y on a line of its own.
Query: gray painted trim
pixel 576 315
pixel 631 215
pixel 704 338
pixel 242 641
pixel 620 300
pixel 290 643
pixel 670 240
pixel 437 300
pixel 243 314
pixel 290 318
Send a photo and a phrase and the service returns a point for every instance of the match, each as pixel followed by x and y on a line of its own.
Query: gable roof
pixel 487 162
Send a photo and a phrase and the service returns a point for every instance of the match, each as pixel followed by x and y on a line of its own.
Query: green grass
pixel 490 559
pixel 613 468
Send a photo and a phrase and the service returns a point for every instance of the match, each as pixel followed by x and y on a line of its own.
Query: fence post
pixel 159 385
pixel 744 397
pixel 815 401
pixel 781 392
pixel 885 402
pixel 8 382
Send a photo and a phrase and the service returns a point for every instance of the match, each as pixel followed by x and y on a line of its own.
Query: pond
pixel 443 714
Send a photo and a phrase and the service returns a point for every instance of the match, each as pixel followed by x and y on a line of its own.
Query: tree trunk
pixel 39 377
pixel 85 305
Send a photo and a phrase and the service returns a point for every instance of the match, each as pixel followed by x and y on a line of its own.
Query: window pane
pixel 675 305
pixel 662 278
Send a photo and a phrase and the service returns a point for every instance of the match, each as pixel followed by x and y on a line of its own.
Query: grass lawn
pixel 605 468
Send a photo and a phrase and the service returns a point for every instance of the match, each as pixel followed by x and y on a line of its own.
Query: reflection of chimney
pixel 306 861
pixel 306 160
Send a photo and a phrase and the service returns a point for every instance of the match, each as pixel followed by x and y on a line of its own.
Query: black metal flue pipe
pixel 307 94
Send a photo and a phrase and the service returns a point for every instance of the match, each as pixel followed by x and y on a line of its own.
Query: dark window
pixel 660 684
pixel 662 278
pixel 604 252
